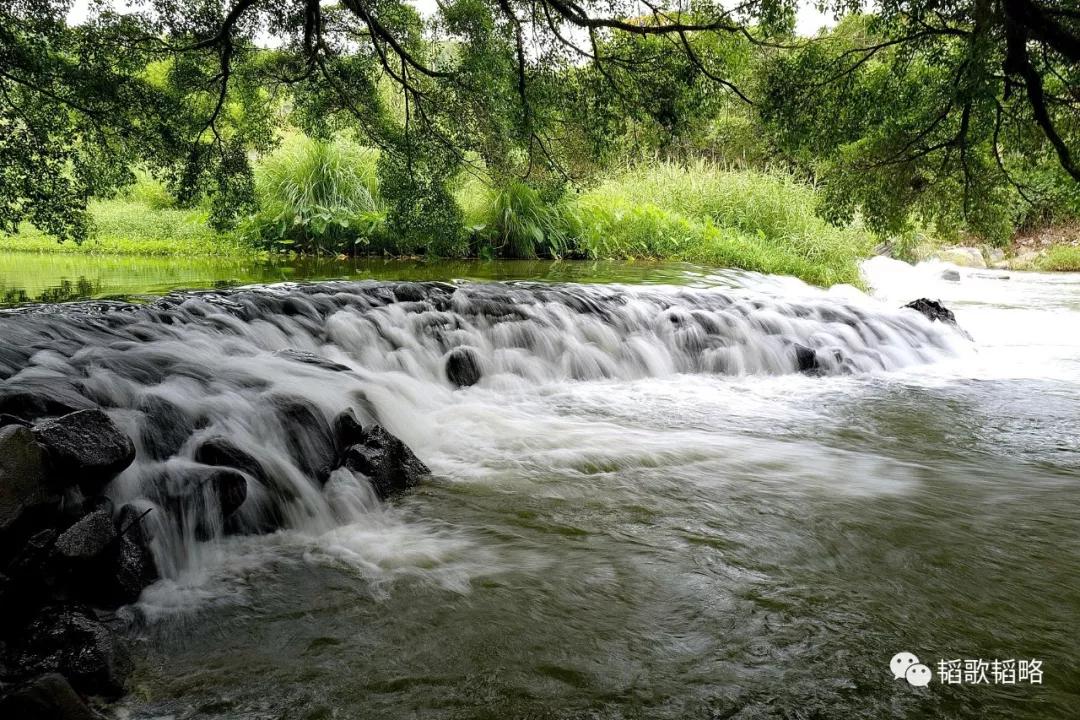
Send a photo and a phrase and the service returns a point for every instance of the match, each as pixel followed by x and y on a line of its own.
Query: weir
pixel 266 373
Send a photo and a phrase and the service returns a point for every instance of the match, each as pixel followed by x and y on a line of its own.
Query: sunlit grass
pixel 1061 258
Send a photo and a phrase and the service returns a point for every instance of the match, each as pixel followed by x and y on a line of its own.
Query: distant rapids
pixel 259 365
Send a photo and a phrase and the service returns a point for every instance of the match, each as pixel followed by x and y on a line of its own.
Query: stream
pixel 641 510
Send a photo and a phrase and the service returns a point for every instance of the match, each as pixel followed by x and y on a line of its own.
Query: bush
pixel 517 221
pixel 317 196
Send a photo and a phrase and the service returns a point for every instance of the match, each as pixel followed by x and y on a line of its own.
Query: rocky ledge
pixel 69 559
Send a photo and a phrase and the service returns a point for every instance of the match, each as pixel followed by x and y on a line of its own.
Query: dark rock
pixel 201 487
pixel 85 447
pixel 23 483
pixel 463 367
pixel 12 420
pixel 46 697
pixel 308 358
pixel 134 567
pixel 308 437
pixel 71 641
pixel 933 310
pixel 220 451
pixel 89 537
pixel 40 398
pixel 386 461
pixel 166 427
pixel 347 430
pixel 806 359
pixel 409 292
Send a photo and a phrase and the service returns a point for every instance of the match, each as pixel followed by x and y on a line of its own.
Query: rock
pixel 409 292
pixel 995 256
pixel 134 567
pixel 165 428
pixel 71 641
pixel 46 697
pixel 386 461
pixel 347 430
pixel 933 310
pixel 308 358
pixel 23 484
pixel 806 359
pixel 962 256
pixel 199 487
pixel 951 275
pixel 85 447
pixel 463 367
pixel 220 451
pixel 12 420
pixel 89 537
pixel 308 437
pixel 39 398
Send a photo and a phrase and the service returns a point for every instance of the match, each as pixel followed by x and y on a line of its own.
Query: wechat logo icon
pixel 905 665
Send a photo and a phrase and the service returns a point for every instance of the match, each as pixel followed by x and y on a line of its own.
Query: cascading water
pixel 734 500
pixel 268 369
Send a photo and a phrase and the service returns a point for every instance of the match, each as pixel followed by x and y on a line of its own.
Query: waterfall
pixel 267 370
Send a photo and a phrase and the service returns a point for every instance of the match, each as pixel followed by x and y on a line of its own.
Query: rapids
pixel 642 509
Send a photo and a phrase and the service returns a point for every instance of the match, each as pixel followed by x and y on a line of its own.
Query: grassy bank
pixel 134 226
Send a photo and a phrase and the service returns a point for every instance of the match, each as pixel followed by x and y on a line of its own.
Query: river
pixel 616 528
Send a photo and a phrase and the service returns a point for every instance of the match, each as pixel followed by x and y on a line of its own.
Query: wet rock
pixel 6 420
pixel 409 292
pixel 85 447
pixel 951 275
pixel 166 427
pixel 222 452
pixel 89 537
pixel 463 367
pixel 933 310
pixel 40 398
pixel 806 359
pixel 308 358
pixel 199 488
pixel 46 697
pixel 23 483
pixel 69 640
pixel 309 438
pixel 134 568
pixel 347 430
pixel 386 461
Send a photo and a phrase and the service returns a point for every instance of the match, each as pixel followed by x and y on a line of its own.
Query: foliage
pixel 1061 257
pixel 317 196
pixel 519 221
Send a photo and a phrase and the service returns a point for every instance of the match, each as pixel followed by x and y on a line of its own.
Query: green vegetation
pixel 1061 257
pixel 499 129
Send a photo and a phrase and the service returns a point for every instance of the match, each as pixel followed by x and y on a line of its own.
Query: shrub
pixel 517 221
pixel 317 196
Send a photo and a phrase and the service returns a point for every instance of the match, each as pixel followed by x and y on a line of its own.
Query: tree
pixel 503 84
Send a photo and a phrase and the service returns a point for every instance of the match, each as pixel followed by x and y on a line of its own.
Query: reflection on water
pixel 41 278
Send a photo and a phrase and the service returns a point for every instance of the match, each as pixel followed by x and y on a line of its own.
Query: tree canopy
pixel 937 108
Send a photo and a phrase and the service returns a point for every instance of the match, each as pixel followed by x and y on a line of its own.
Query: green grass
pixel 744 219
pixel 133 227
pixel 1061 258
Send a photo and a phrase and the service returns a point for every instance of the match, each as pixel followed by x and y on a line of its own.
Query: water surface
pixel 657 543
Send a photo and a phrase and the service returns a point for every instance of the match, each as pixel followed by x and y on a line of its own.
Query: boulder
pixel 23 483
pixel 347 430
pixel 933 310
pixel 463 367
pixel 962 256
pixel 308 437
pixel 199 488
pixel 33 399
pixel 222 452
pixel 85 447
pixel 806 359
pixel 89 537
pixel 46 697
pixel 134 568
pixel 68 639
pixel 165 427
pixel 386 461
pixel 951 275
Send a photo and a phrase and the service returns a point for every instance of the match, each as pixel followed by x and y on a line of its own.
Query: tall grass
pixel 747 219
pixel 516 221
pixel 1061 258
pixel 317 196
